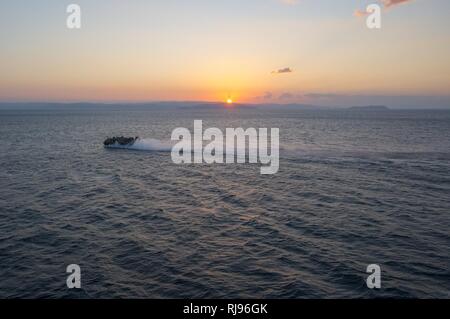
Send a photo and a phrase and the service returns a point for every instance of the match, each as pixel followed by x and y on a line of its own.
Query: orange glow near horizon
pixel 229 63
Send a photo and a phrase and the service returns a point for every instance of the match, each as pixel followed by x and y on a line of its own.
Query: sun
pixel 229 101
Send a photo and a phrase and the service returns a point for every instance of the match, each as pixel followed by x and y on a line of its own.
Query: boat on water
pixel 120 141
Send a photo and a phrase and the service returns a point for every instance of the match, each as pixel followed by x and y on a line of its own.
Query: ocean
pixel 354 188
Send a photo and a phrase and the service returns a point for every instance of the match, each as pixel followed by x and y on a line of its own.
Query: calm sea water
pixel 354 188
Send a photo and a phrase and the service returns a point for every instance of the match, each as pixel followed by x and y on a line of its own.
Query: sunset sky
pixel 258 51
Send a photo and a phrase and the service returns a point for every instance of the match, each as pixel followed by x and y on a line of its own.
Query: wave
pixel 147 144
pixel 307 152
pixel 155 145
pixel 296 151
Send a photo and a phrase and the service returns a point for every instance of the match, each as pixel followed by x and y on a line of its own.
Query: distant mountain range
pixel 369 108
pixel 175 105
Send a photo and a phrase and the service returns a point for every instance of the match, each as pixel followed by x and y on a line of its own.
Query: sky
pixel 252 51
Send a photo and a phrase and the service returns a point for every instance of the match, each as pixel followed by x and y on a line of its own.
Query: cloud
pixel 360 13
pixel 267 96
pixel 284 70
pixel 323 95
pixel 386 4
pixel 286 96
pixel 390 3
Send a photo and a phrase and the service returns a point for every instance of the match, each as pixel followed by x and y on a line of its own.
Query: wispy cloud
pixel 267 96
pixel 324 95
pixel 290 97
pixel 360 13
pixel 287 96
pixel 390 3
pixel 386 4
pixel 283 70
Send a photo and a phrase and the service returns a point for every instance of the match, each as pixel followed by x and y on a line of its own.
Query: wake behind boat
pixel 120 141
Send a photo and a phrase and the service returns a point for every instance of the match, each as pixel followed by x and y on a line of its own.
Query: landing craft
pixel 117 142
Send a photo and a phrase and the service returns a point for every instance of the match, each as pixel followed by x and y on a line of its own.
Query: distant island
pixel 175 105
pixel 369 108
